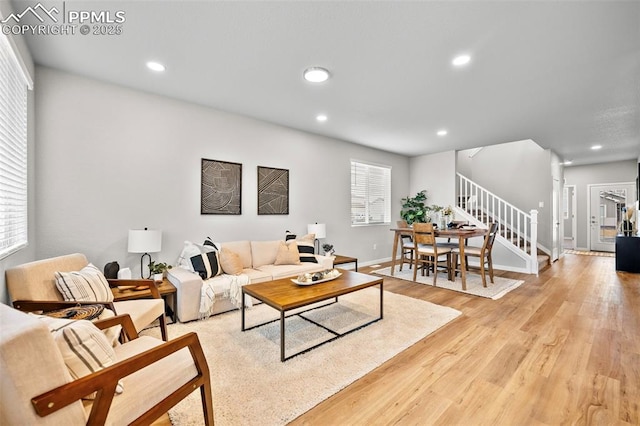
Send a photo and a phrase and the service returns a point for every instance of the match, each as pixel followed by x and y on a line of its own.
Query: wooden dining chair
pixel 427 252
pixel 408 247
pixel 483 253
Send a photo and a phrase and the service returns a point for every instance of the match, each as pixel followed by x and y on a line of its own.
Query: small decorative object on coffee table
pixel 316 277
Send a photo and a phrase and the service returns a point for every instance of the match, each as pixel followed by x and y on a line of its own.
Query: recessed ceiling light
pixel 442 132
pixel 155 66
pixel 461 60
pixel 596 147
pixel 316 74
pixel 566 163
pixel 321 118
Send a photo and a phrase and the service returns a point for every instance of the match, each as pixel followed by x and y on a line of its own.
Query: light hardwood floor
pixel 564 348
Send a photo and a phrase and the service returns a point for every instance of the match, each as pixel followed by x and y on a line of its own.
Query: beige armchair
pixel 32 287
pixel 37 387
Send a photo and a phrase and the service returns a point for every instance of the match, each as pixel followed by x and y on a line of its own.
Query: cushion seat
pixel 142 311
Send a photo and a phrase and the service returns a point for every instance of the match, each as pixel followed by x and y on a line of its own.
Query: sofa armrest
pixel 188 288
pixel 104 383
pixel 122 320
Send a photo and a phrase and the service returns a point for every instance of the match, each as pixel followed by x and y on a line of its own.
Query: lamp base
pixel 142 265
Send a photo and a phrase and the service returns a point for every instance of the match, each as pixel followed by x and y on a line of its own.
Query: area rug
pixel 252 387
pixel 499 288
pixel 591 253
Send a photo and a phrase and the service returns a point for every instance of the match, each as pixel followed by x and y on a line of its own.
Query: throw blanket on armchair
pixel 234 285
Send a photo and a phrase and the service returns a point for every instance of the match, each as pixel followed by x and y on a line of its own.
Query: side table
pixel 341 260
pixel 165 288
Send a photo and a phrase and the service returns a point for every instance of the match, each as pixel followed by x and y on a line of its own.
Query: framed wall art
pixel 221 187
pixel 273 191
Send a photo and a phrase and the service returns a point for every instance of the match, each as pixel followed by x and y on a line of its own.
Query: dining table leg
pixel 395 250
pixel 463 263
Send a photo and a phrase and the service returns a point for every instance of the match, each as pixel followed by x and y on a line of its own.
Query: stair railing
pixel 516 226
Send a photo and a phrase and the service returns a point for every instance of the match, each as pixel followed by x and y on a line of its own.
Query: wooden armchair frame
pixel 104 381
pixel 48 305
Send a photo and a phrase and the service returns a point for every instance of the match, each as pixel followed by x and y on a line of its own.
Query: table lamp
pixel 145 241
pixel 320 230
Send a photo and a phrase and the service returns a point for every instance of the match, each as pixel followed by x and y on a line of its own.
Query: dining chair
pixel 483 253
pixel 408 246
pixel 428 252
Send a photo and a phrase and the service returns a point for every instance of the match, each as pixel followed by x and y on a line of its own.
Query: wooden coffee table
pixel 284 295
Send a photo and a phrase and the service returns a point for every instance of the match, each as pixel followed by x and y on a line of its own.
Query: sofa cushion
pixel 264 252
pixel 230 261
pixel 142 311
pixel 257 276
pixel 85 285
pixel 243 249
pixel 285 271
pixel 287 254
pixel 84 348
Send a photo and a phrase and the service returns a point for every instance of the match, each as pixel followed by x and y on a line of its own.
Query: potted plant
pixel 157 270
pixel 328 249
pixel 414 209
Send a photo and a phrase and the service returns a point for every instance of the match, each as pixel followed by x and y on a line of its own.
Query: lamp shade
pixel 145 241
pixel 320 229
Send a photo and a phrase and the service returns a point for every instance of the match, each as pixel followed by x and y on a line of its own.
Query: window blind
pixel 13 152
pixel 370 194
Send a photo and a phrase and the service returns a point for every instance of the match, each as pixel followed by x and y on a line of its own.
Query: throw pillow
pixel 84 347
pixel 289 236
pixel 188 251
pixel 230 262
pixel 287 254
pixel 306 248
pixel 86 285
pixel 206 265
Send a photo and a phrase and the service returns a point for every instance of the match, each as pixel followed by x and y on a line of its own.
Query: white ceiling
pixel 565 74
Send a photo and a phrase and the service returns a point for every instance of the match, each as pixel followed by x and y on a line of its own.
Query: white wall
pixel 583 176
pixel 110 159
pixel 437 174
pixel 27 254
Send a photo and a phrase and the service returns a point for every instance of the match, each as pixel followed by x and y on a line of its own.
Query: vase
pixel 158 277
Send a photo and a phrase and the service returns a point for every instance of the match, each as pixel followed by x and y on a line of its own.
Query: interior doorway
pixel 569 206
pixel 606 203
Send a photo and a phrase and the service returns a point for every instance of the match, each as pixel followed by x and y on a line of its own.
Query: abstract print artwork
pixel 273 191
pixel 221 188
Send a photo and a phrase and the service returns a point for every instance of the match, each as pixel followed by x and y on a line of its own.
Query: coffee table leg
pixel 281 336
pixel 242 311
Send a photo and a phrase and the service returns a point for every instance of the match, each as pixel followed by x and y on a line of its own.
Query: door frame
pixel 574 213
pixel 588 210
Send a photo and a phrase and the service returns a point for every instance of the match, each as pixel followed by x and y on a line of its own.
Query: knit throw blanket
pixel 233 285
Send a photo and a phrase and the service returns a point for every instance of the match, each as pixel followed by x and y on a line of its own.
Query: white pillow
pixel 84 347
pixel 86 285
pixel 190 250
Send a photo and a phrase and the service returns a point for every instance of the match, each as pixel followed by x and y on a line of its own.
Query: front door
pixel 606 211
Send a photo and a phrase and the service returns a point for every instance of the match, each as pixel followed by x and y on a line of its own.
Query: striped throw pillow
pixel 207 265
pixel 306 250
pixel 86 285
pixel 84 348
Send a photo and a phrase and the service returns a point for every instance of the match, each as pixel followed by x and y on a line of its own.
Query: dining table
pixel 461 234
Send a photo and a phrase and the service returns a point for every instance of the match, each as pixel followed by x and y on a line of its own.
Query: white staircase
pixel 517 231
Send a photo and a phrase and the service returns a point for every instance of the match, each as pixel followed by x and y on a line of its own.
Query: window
pixel 13 152
pixel 370 194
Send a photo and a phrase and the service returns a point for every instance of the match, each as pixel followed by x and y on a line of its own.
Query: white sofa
pixel 258 258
